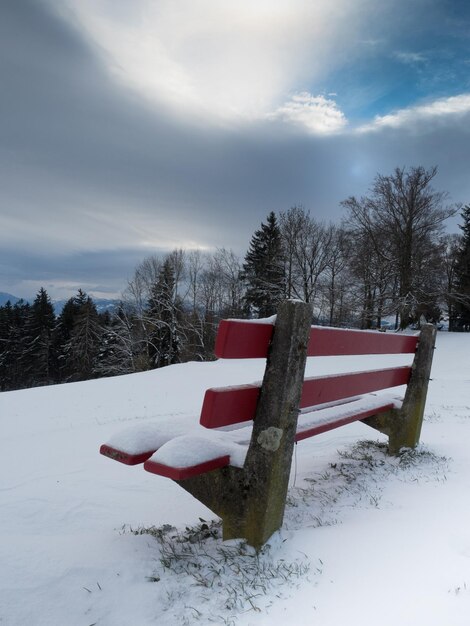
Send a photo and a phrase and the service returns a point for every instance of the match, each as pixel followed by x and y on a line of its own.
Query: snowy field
pixel 367 539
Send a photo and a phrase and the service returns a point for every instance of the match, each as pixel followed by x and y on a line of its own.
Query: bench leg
pixel 269 458
pixel 222 492
pixel 409 419
pixel 403 426
pixel 251 501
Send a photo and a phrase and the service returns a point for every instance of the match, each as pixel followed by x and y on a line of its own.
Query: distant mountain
pixel 102 305
pixel 4 297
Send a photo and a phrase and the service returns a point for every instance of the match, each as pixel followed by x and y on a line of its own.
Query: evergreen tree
pixel 8 340
pixel 36 350
pixel 77 338
pixel 62 334
pixel 20 316
pixel 163 318
pixel 263 270
pixel 462 273
pixel 85 340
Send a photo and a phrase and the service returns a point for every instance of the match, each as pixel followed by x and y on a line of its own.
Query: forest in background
pixel 389 263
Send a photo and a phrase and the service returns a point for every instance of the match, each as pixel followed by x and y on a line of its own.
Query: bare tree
pixel 227 265
pixel 372 279
pixel 177 258
pixel 306 244
pixel 409 213
pixel 336 279
pixel 292 222
pixel 195 267
pixel 138 290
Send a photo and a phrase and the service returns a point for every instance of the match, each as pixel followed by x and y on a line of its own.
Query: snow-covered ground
pixel 367 539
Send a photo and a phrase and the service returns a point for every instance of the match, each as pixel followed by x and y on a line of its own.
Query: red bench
pixel 184 452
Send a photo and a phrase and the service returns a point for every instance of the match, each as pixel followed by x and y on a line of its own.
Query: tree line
pixel 388 259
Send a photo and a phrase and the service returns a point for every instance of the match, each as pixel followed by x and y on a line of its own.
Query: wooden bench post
pixel 269 458
pixel 408 420
pixel 403 426
pixel 251 501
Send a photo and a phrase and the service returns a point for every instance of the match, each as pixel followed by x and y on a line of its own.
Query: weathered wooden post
pixel 268 462
pixel 251 500
pixel 403 426
pixel 407 421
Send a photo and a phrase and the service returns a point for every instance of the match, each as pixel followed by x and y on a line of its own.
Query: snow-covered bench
pixel 236 459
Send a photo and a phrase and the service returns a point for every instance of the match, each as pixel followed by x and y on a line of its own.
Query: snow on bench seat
pixel 136 444
pixel 187 456
pixel 181 448
pixel 314 422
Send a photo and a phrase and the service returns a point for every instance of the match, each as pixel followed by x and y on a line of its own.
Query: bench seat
pixel 168 452
pixel 136 444
pixel 188 456
pixel 321 420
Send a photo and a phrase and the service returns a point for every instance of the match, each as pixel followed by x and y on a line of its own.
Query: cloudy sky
pixel 129 127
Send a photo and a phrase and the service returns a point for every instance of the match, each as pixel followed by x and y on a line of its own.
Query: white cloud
pixel 226 61
pixel 410 58
pixel 438 109
pixel 316 113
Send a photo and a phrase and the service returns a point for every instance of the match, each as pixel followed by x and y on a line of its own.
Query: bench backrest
pixel 242 339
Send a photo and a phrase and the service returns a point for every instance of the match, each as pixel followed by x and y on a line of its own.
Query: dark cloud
pixel 89 170
pixel 104 272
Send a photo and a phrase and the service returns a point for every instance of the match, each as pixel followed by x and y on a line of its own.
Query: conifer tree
pixel 63 366
pixel 462 273
pixel 163 318
pixel 7 344
pixel 20 314
pixel 84 342
pixel 77 338
pixel 36 353
pixel 263 270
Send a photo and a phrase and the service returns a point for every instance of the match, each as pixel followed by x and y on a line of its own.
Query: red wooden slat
pixel 323 428
pixel 125 457
pixel 233 405
pixel 180 473
pixel 339 341
pixel 229 405
pixel 320 390
pixel 244 340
